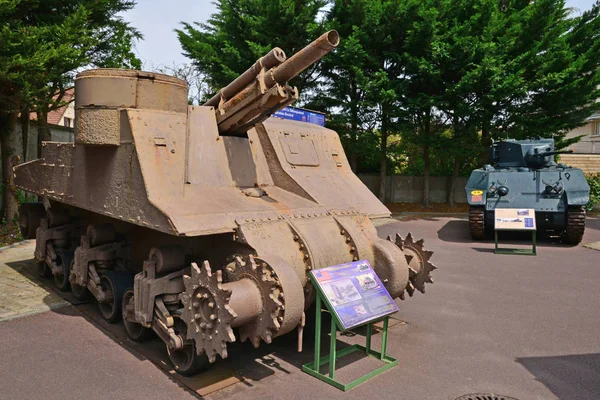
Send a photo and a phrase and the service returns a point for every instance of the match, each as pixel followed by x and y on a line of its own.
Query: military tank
pixel 192 221
pixel 523 174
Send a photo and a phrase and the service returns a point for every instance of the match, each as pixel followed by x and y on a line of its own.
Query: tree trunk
pixel 43 130
pixel 452 185
pixel 25 131
pixel 8 123
pixel 486 141
pixel 354 127
pixel 383 154
pixel 426 161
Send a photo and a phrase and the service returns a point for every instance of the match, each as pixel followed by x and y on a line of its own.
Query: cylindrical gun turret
pixel 262 89
pixel 273 58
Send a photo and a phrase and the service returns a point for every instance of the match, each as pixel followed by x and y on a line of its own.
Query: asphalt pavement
pixel 521 326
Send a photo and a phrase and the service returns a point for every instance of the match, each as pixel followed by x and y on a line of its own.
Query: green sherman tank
pixel 193 221
pixel 523 174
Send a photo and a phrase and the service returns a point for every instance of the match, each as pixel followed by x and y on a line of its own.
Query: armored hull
pixel 193 220
pixel 525 176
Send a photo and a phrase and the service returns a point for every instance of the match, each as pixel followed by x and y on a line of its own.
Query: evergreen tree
pixel 42 43
pixel 242 31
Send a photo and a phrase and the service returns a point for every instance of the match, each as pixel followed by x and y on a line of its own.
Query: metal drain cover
pixel 484 396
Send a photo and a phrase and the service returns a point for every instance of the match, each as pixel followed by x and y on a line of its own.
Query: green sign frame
pixel 313 368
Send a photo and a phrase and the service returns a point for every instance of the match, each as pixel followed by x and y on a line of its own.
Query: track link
pixel 477 222
pixel 575 226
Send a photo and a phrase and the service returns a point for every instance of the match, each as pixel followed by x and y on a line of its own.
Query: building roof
pixel 593 117
pixel 54 116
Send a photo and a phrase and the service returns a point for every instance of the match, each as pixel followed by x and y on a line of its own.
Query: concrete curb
pixel 17 244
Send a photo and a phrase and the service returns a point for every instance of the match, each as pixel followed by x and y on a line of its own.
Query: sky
pixel 157 20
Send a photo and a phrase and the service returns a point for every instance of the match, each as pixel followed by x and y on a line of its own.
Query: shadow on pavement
pixel 568 377
pixel 457 231
pixel 245 364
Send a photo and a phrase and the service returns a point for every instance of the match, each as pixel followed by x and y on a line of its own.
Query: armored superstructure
pixel 523 174
pixel 194 220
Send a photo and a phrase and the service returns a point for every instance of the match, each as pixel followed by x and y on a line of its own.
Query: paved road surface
pixel 526 327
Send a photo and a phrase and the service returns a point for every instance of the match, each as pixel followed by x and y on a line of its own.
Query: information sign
pixel 354 293
pixel 298 114
pixel 514 219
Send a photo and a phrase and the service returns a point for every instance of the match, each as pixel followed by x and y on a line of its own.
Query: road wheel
pixel 61 279
pixel 136 332
pixel 186 361
pixel 575 226
pixel 111 307
pixel 477 222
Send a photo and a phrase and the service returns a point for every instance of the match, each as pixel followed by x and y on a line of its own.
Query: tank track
pixel 477 222
pixel 573 234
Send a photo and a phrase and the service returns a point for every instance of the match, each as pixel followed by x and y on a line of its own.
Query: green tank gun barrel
pixel 551 153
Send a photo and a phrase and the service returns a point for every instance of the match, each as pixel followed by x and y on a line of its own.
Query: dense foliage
pixel 42 44
pixel 594 182
pixel 420 86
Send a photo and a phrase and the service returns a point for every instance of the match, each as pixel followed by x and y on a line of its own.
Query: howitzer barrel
pixel 273 58
pixel 304 58
pixel 258 94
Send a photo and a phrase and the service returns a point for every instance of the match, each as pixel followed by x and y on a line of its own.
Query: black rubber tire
pixel 186 361
pixel 61 280
pixel 477 222
pixel 111 311
pixel 80 292
pixel 575 226
pixel 136 332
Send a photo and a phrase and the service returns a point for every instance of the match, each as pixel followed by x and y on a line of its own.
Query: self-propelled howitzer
pixel 523 174
pixel 193 220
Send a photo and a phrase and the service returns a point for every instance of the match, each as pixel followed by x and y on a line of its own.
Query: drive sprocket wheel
pixel 419 266
pixel 207 312
pixel 267 323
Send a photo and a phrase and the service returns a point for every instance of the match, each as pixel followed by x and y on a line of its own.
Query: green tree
pixel 42 43
pixel 242 31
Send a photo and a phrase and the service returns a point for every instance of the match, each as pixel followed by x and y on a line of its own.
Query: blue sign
pixel 354 292
pixel 298 114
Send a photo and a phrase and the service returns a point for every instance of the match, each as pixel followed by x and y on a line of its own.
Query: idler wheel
pixel 30 217
pixel 186 361
pixel 136 332
pixel 114 284
pixel 64 261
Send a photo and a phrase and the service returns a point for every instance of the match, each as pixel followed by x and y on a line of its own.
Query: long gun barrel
pixel 551 153
pixel 263 89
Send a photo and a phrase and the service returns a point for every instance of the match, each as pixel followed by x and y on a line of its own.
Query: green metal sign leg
pixel 318 334
pixel 384 337
pixel 534 243
pixel 332 355
pixel 369 332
